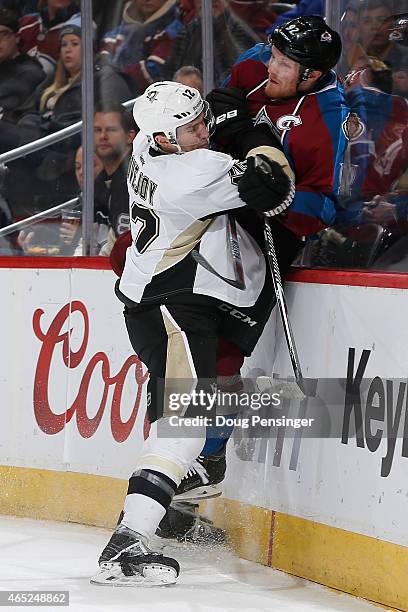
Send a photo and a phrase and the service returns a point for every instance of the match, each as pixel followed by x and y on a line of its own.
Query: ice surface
pixel 45 555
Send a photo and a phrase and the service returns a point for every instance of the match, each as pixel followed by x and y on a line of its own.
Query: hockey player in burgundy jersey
pixel 177 314
pixel 289 84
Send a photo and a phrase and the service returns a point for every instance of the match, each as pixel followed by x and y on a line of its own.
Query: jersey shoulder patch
pixel 237 171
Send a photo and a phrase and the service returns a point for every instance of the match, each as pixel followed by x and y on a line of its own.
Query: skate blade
pixel 204 492
pixel 151 575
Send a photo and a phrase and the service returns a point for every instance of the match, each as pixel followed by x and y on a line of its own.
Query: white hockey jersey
pixel 178 203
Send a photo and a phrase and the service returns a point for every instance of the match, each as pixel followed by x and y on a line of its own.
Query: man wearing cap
pixel 40 30
pixel 376 23
pixel 19 73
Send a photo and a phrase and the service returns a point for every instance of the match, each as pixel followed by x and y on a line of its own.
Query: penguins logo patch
pixel 152 96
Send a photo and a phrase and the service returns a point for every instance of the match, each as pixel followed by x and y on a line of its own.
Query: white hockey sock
pixel 142 514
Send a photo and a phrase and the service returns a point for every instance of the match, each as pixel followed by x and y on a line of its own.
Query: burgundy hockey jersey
pixel 310 130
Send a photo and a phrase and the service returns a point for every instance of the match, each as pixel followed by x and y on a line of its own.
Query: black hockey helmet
pixel 309 41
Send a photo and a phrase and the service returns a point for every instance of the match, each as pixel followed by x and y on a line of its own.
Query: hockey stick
pixel 239 281
pixel 306 387
pixel 235 251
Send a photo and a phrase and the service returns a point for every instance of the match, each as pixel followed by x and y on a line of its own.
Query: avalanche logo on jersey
pixel 263 117
pixel 284 123
pixel 287 122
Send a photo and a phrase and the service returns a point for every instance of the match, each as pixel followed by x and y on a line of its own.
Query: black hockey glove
pixel 265 187
pixel 228 105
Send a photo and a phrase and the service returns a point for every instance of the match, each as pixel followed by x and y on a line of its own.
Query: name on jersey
pixel 140 183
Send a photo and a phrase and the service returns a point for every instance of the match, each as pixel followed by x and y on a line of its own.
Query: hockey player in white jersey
pixel 176 311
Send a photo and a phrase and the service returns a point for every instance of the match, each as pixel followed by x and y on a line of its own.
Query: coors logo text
pixel 50 419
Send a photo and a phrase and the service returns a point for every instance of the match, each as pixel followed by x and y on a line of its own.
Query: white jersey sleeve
pixel 206 183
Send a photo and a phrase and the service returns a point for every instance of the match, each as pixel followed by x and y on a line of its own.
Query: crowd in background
pixel 149 40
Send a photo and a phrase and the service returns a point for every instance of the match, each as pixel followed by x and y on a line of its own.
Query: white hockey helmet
pixel 167 105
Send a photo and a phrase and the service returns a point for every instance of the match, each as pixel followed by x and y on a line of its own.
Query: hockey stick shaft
pixel 235 250
pixel 280 298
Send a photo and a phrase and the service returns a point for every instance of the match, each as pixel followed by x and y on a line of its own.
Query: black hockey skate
pixel 127 561
pixel 203 477
pixel 184 523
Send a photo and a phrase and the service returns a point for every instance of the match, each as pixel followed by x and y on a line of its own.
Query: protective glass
pixel 266 51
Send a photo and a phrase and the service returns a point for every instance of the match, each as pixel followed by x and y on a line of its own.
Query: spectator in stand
pixel 258 14
pixel 190 76
pixel 114 132
pixel 303 8
pixel 373 209
pixel 400 81
pixel 21 7
pixel 144 40
pixel 62 100
pixel 377 154
pixel 376 22
pixel 231 38
pixel 8 244
pixel 40 31
pixel 19 74
pixel 52 178
pixel 70 233
pixel 69 240
pixel 60 104
pixel 399 34
pixel 79 167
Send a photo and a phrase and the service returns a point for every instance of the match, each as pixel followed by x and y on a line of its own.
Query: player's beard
pixel 275 91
